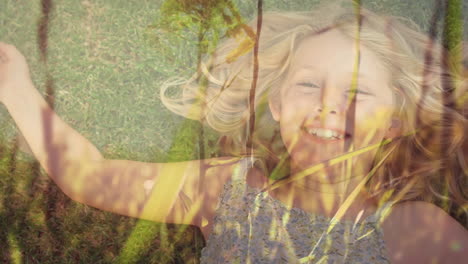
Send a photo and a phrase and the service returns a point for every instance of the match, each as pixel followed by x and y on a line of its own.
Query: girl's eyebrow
pixel 307 66
pixel 315 68
pixel 364 76
pixel 360 75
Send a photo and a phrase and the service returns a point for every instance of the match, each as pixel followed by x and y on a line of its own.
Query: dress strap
pixel 240 172
pixel 236 188
pixel 382 212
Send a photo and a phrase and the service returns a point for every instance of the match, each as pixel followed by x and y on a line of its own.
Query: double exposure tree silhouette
pixel 209 21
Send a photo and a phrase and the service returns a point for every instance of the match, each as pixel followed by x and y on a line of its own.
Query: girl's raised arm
pixel 164 192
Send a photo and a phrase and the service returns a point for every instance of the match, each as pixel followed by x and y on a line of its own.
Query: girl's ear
pixel 275 109
pixel 395 129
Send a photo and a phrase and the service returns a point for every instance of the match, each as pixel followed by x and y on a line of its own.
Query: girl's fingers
pixel 7 51
pixel 3 46
pixel 3 52
pixel 3 56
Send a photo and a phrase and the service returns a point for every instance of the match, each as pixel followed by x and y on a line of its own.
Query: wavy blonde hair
pixel 428 163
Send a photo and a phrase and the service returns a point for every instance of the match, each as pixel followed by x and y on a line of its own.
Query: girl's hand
pixel 14 72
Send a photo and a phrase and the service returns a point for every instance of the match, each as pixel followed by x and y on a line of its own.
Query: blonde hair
pixel 432 164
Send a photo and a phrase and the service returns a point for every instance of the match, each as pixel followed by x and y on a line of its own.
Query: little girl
pixel 357 151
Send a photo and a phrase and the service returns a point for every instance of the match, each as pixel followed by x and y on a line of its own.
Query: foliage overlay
pixel 100 64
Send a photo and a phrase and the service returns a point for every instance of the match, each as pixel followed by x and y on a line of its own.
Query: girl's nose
pixel 331 101
pixel 328 113
pixel 327 110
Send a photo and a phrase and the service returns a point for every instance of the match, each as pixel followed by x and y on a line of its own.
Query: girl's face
pixel 315 102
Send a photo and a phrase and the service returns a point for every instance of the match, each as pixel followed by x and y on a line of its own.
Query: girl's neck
pixel 326 204
pixel 322 197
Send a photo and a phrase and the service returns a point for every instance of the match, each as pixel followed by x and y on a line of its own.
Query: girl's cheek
pixel 373 113
pixel 297 106
pixel 372 123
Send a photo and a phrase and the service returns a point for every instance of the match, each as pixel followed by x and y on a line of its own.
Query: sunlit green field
pixel 106 60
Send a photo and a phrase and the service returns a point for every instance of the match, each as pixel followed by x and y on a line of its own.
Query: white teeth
pixel 324 133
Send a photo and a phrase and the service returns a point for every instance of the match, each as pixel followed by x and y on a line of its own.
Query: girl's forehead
pixel 333 52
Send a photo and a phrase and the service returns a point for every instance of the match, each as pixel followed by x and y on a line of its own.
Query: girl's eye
pixel 360 92
pixel 308 84
pixel 307 88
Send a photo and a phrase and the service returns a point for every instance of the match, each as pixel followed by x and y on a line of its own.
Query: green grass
pixel 106 73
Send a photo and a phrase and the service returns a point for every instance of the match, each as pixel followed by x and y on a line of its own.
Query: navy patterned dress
pixel 252 227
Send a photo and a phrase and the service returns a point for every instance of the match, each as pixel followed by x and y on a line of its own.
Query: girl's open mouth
pixel 325 134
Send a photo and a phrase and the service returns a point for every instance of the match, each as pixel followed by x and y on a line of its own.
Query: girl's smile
pixel 324 135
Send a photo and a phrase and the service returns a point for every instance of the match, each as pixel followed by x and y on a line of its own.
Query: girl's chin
pixel 301 163
pixel 308 159
pixel 329 176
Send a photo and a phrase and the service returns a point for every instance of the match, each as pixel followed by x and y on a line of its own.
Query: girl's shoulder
pixel 420 232
pixel 216 173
